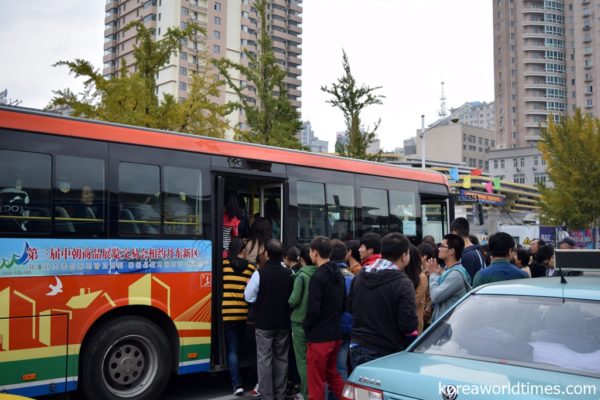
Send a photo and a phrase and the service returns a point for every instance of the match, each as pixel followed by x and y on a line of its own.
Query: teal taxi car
pixel 520 339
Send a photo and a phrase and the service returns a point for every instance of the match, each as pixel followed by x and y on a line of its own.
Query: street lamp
pixel 422 136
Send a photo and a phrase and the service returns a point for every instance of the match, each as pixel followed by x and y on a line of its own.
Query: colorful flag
pixel 476 172
pixel 453 173
pixel 496 182
pixel 466 182
pixel 489 187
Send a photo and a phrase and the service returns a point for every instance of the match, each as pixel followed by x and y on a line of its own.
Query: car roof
pixel 577 287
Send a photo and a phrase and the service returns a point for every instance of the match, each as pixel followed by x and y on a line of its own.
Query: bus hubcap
pixel 126 364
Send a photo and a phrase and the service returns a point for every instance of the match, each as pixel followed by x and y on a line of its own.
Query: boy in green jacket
pixel 298 303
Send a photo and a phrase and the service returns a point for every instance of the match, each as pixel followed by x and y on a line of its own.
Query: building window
pixel 183 71
pixel 216 35
pixel 217 20
pixel 522 162
pixel 216 49
pixel 519 178
pixel 495 164
pixel 183 56
pixel 515 162
pixel 217 6
pixel 502 165
pixel 540 178
pixel 535 161
pixel 182 86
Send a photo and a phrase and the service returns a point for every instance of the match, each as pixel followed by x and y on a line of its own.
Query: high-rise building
pixel 475 113
pixel 231 26
pixel 308 139
pixel 545 62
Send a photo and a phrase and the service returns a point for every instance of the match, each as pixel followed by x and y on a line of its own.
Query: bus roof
pixel 41 122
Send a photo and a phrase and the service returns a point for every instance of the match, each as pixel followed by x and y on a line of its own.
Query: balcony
pixel 535 35
pixel 539 99
pixel 534 22
pixel 530 47
pixel 538 112
pixel 534 61
pixel 542 86
pixel 532 9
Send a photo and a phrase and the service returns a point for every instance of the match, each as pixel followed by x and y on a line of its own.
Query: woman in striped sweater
pixel 234 309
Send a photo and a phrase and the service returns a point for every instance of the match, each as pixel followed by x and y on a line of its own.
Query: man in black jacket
pixel 270 288
pixel 382 303
pixel 326 298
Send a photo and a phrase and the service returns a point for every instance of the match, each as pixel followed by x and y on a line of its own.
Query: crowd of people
pixel 320 311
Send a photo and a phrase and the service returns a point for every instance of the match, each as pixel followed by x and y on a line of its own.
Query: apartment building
pixel 524 165
pixel 475 113
pixel 231 27
pixel 546 61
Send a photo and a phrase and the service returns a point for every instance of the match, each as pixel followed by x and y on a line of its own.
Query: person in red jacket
pixel 370 248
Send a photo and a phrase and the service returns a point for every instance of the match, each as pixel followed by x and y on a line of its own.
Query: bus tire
pixel 127 358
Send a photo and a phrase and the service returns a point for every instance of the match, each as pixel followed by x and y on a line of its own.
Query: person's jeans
pixel 234 336
pixel 360 355
pixel 342 365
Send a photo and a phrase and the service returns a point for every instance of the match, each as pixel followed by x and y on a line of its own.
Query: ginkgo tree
pixel 270 117
pixel 131 97
pixel 352 98
pixel 570 149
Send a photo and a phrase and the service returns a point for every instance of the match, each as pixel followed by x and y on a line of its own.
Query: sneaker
pixel 239 391
pixel 292 390
pixel 255 392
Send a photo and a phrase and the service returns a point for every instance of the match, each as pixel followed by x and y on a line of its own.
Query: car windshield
pixel 549 333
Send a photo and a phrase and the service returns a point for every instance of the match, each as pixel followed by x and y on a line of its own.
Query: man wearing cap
pixel 567 243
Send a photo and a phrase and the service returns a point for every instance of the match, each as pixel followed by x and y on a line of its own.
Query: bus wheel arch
pixel 151 341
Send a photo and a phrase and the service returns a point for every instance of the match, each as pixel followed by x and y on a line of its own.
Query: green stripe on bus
pixel 11 372
pixel 203 351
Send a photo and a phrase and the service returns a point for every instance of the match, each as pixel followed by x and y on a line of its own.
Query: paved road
pixel 188 387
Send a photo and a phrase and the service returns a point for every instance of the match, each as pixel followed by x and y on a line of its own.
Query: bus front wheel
pixel 128 358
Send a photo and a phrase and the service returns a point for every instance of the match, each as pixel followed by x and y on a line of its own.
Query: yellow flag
pixel 466 182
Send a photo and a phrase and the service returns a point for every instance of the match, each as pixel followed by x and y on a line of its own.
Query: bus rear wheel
pixel 128 358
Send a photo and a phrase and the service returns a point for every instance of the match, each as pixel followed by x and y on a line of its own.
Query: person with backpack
pixel 234 309
pixel 338 256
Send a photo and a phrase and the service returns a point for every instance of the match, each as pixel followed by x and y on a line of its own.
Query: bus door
pixel 271 200
pixel 435 216
pixel 256 196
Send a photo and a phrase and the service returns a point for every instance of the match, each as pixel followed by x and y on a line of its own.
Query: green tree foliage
pixel 130 98
pixel 270 116
pixel 570 149
pixel 351 100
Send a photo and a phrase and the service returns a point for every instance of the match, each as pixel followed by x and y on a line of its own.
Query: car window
pixel 538 331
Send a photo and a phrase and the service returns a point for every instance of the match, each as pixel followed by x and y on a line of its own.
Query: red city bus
pixel 111 244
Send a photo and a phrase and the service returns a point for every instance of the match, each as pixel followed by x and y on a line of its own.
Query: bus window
pixel 403 212
pixel 139 199
pixel 374 211
pixel 340 211
pixel 79 195
pixel 183 201
pixel 311 210
pixel 25 184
